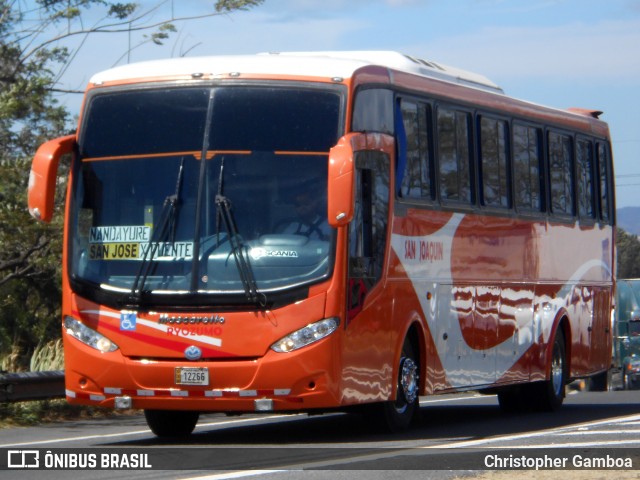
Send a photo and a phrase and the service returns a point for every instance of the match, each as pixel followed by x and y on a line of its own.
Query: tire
pixel 600 382
pixel 511 400
pixel 171 423
pixel 549 394
pixel 396 416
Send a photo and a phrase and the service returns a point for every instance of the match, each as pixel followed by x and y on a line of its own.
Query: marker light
pixel 306 336
pixel 88 336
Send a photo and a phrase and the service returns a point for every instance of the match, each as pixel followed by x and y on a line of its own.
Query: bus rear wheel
pixel 549 394
pixel 171 423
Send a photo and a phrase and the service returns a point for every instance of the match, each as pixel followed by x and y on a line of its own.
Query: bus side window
pixel 454 156
pixel 561 174
pixel 494 163
pixel 604 184
pixel 528 173
pixel 585 183
pixel 415 181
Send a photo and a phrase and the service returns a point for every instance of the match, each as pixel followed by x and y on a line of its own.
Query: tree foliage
pixel 628 246
pixel 34 54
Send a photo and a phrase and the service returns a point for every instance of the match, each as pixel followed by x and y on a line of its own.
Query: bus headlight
pixel 306 336
pixel 88 336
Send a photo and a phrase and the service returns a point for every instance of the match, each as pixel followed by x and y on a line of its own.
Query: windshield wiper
pixel 224 211
pixel 166 229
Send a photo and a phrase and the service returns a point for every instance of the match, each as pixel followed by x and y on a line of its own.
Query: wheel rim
pixel 557 371
pixel 409 379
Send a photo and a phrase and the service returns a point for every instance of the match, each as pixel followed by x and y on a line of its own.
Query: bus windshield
pixel 203 191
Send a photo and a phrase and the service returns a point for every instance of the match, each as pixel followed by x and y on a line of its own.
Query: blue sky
pixel 561 53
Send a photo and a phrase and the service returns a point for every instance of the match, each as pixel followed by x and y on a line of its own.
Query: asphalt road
pixel 456 435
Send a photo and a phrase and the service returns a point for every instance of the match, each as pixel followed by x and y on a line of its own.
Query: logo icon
pixel 23 459
pixel 192 353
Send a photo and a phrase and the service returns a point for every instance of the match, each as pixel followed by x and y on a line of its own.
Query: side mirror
pixel 340 187
pixel 43 176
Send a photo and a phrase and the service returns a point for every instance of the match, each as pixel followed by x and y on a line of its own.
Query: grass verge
pixel 44 411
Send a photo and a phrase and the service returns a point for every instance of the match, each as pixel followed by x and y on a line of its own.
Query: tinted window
pixel 368 230
pixel 173 120
pixel 494 154
pixel 454 155
pixel 603 174
pixel 527 174
pixel 416 181
pixel 272 119
pixel 145 122
pixel 584 160
pixel 373 111
pixel 561 173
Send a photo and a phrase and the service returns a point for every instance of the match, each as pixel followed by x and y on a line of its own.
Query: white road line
pixel 429 400
pixel 551 431
pixel 476 443
pixel 146 431
pixel 241 474
pixel 198 427
pixel 601 432
pixel 613 443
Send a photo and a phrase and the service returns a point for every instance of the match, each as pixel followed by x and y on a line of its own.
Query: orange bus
pixel 327 231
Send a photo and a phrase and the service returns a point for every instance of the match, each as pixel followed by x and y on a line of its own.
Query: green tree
pixel 628 251
pixel 33 57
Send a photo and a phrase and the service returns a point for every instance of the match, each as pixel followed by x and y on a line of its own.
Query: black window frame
pixel 544 209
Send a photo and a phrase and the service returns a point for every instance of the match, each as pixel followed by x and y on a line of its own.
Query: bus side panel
pixel 493 291
pixel 367 367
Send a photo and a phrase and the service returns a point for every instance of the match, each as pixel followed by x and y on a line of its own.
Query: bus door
pixel 368 349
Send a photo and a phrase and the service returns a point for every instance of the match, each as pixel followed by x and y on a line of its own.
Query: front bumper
pixel 302 380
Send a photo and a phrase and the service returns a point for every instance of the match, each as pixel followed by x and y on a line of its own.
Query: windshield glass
pixel 203 190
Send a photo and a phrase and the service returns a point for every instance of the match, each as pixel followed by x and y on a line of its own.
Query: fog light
pixel 263 405
pixel 123 403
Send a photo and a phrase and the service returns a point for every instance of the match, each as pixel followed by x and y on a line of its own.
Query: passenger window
pixel 416 178
pixel 584 159
pixel 561 174
pixel 527 178
pixel 603 173
pixel 454 156
pixel 494 152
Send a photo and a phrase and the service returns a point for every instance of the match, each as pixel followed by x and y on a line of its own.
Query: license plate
pixel 191 376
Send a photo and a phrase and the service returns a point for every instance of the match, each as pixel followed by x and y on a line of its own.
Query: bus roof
pixel 329 64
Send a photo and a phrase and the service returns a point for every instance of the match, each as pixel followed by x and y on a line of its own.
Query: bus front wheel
pixel 397 415
pixel 171 423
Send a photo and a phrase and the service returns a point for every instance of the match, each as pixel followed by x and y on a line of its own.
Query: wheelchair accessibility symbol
pixel 128 321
